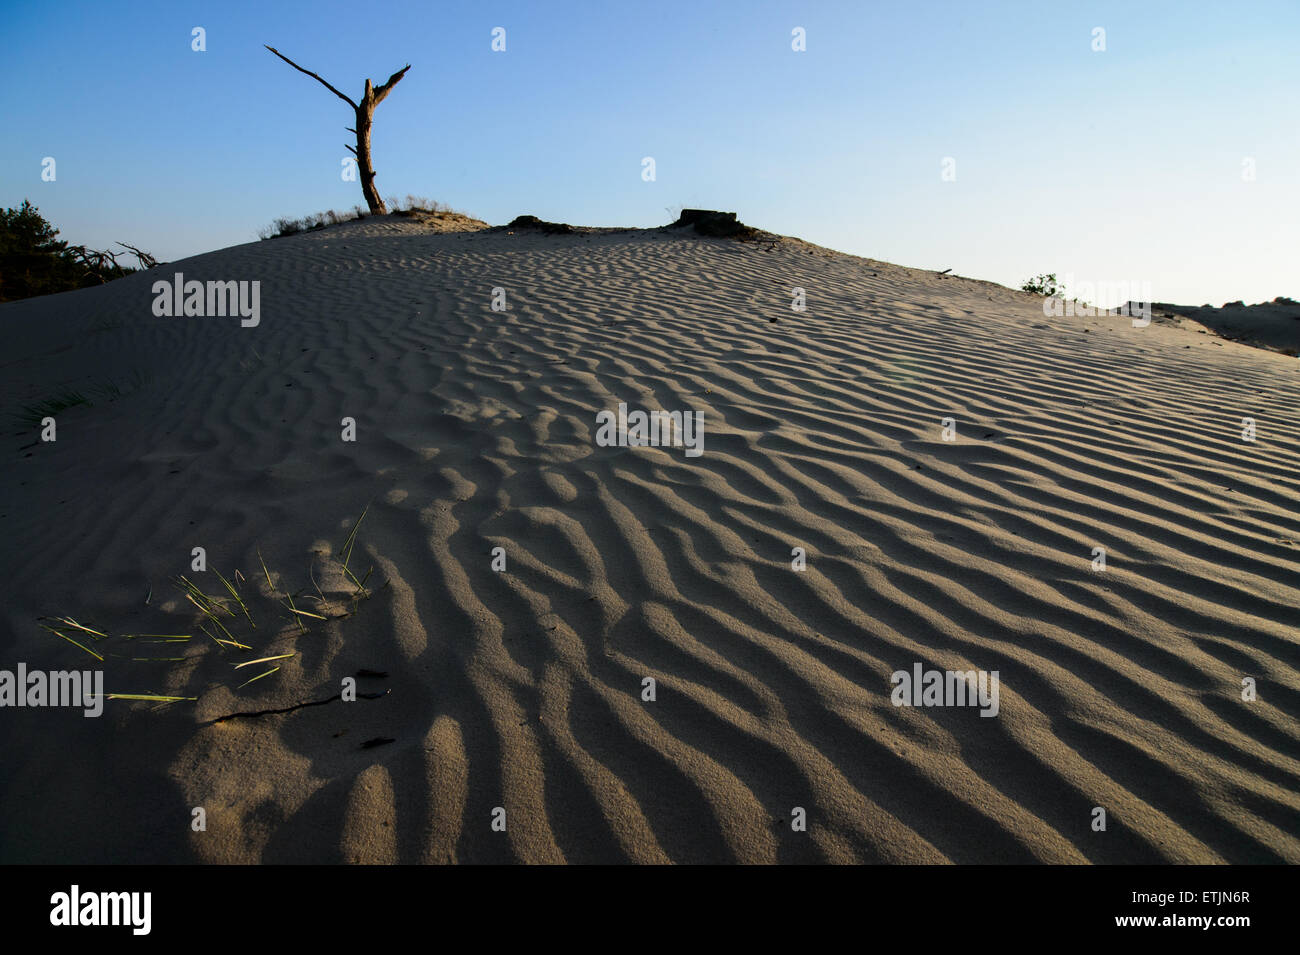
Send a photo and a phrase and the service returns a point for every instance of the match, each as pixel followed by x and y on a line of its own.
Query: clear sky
pixel 1124 165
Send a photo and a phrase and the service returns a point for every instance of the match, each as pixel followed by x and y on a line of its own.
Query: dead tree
pixel 146 260
pixel 365 115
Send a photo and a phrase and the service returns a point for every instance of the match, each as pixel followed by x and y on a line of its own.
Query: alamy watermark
pixel 75 907
pixel 58 688
pixel 923 687
pixel 654 429
pixel 194 298
pixel 1134 299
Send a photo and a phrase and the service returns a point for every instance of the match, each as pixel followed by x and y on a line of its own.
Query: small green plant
pixel 68 397
pixel 1044 285
pixel 219 613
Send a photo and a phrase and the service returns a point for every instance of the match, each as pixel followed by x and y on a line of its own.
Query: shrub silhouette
pixel 34 261
pixel 1044 285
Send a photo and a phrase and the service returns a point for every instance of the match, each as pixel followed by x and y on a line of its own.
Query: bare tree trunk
pixel 365 117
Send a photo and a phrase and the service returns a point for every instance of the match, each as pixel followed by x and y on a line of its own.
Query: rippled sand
pixel 522 688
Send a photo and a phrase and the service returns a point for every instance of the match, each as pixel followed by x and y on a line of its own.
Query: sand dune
pixel 522 688
pixel 1274 324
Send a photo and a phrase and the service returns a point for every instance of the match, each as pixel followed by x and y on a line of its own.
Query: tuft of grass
pixel 108 390
pixel 214 611
pixel 238 599
pixel 360 584
pixel 297 614
pixel 302 628
pixel 318 220
pixel 212 606
pixel 410 206
pixel 413 205
pixel 346 552
pixel 105 390
pixel 50 407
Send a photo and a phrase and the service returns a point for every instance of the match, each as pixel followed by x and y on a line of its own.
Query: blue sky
pixel 1116 166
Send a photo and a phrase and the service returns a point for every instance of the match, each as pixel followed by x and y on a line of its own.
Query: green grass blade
pixel 73 642
pixel 73 625
pixel 249 663
pixel 346 552
pixel 266 572
pixel 256 678
pixel 298 620
pixel 307 613
pixel 361 587
pixel 238 599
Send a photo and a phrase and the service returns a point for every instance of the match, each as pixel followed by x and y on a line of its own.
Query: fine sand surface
pixel 522 688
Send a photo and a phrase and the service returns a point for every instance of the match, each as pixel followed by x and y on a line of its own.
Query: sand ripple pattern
pixel 521 688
